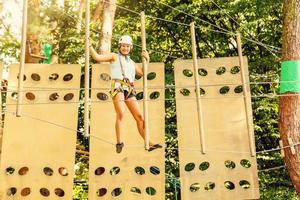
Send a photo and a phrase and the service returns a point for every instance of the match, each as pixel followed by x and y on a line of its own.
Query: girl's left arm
pixel 138 70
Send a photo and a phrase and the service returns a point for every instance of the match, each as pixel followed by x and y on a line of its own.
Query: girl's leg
pixel 118 101
pixel 135 110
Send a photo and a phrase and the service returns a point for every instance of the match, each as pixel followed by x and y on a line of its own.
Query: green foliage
pixel 9 48
pixel 80 189
pixel 9 45
pixel 259 21
pixel 276 185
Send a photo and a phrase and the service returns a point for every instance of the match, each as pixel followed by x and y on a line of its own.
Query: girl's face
pixel 125 49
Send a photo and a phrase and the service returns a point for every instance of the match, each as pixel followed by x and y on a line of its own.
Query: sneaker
pixel 156 146
pixel 119 147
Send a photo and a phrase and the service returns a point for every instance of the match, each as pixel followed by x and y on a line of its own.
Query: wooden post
pixel 145 82
pixel 247 103
pixel 87 70
pixel 22 59
pixel 199 105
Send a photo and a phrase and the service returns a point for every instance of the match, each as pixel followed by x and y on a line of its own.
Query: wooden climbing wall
pixel 227 170
pixel 135 173
pixel 38 151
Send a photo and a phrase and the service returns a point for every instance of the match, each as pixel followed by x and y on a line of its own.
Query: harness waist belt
pixel 125 82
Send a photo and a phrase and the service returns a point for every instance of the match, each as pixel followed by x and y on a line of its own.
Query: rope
pixel 179 23
pixel 168 176
pixel 166 20
pixel 192 16
pixel 271 168
pixel 256 41
pixel 170 21
pixel 165 99
pixel 124 8
pixel 60 126
pixel 141 146
pixel 169 86
pixel 225 30
pixel 271 51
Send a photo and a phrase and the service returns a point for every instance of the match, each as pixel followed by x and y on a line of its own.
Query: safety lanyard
pixel 122 68
pixel 125 79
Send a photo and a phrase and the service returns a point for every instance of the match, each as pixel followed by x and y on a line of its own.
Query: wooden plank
pixel 38 157
pixel 228 156
pixel 103 155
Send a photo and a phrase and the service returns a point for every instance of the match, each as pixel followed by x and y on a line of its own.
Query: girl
pixel 123 71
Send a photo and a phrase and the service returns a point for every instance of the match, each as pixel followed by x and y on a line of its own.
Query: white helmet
pixel 125 39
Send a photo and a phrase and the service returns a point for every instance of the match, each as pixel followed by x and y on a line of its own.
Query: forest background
pixel 168 39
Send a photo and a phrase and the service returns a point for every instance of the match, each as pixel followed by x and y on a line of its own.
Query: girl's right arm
pixel 110 57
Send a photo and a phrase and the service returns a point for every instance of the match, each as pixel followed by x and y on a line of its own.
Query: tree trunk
pixel 34 5
pixel 80 11
pixel 33 17
pixel 33 50
pixel 98 11
pixel 289 106
pixel 107 26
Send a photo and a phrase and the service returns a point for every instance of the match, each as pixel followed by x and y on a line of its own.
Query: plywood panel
pixel 38 152
pixel 224 172
pixel 103 155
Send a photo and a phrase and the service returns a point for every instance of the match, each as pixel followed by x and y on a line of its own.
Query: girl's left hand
pixel 145 54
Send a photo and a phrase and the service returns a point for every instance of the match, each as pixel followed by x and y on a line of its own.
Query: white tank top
pixel 128 66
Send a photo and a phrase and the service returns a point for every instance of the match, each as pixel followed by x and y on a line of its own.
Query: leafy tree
pixel 258 21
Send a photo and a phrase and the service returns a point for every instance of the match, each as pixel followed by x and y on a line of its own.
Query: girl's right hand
pixel 89 42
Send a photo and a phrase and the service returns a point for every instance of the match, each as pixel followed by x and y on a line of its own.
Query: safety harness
pixel 125 82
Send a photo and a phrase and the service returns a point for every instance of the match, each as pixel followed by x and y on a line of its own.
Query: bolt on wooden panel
pixel 227 170
pixel 38 151
pixel 134 173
